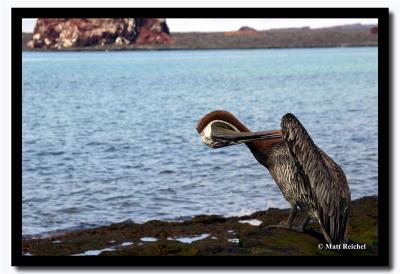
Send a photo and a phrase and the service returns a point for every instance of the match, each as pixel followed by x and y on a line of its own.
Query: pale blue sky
pixel 210 25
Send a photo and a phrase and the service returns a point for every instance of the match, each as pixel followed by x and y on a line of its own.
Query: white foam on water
pixel 234 240
pixel 148 239
pixel 254 222
pixel 97 252
pixel 93 252
pixel 244 212
pixel 126 244
pixel 188 240
pixel 56 242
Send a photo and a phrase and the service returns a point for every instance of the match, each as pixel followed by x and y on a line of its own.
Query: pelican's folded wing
pixel 327 180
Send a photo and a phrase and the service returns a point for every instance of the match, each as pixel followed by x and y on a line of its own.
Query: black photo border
pixel 286 261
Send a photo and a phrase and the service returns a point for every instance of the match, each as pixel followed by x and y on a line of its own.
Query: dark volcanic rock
pixel 212 235
pixel 81 32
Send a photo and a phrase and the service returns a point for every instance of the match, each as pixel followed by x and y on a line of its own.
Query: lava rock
pixel 61 33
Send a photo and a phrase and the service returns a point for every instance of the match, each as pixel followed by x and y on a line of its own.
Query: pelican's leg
pixel 304 222
pixel 302 225
pixel 293 213
pixel 289 223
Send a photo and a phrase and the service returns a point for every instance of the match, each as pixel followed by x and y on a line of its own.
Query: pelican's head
pixel 209 137
pixel 220 128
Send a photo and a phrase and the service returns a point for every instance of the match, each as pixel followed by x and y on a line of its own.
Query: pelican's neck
pixel 259 149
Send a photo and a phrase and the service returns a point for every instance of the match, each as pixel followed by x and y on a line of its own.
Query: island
pixel 101 34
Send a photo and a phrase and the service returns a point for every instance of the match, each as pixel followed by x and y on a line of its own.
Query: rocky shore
pixel 213 235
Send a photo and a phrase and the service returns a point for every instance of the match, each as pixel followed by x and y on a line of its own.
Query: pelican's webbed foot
pixel 280 225
pixel 299 228
pixel 289 223
pixel 286 226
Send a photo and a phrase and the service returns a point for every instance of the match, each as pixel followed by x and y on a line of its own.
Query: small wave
pixel 50 153
pixel 56 153
pixel 163 199
pixel 167 191
pixel 29 169
pixel 118 197
pixel 34 199
pixel 110 149
pixel 95 143
pixel 180 218
pixel 44 173
pixel 70 210
pixel 244 212
pixel 167 171
pixel 358 139
pixel 76 192
pixel 129 204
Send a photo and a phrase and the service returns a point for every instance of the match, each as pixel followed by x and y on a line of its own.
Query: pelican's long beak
pixel 220 134
pixel 245 137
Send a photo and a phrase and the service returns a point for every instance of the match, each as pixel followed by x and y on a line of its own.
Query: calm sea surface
pixel 110 136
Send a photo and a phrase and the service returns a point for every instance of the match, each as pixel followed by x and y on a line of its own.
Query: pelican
pixel 307 177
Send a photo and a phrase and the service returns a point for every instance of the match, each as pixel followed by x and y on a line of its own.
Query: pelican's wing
pixel 327 180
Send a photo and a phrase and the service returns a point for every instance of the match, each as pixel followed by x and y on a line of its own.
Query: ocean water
pixel 110 136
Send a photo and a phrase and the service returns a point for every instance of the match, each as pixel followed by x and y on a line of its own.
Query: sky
pixel 215 25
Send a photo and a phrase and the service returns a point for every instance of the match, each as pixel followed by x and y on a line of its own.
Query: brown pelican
pixel 307 177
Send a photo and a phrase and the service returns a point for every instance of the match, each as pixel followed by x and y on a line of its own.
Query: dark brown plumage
pixel 307 177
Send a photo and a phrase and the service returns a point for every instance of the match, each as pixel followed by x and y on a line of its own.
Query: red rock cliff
pixel 80 32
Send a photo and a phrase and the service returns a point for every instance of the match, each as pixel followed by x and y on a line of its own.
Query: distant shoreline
pixel 341 36
pixel 84 49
